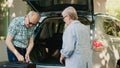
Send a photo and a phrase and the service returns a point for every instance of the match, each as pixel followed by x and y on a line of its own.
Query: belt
pixel 20 48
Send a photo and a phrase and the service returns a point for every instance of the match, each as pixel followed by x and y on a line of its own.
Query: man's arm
pixel 12 48
pixel 30 46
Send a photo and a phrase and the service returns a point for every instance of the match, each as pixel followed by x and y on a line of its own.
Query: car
pixel 104 33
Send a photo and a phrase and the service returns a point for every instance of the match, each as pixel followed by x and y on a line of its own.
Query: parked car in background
pixel 104 29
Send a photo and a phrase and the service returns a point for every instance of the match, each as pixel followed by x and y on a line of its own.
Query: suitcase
pixel 17 65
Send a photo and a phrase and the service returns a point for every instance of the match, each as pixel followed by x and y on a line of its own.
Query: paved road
pixel 3 53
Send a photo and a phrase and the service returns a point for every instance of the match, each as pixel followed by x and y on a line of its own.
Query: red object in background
pixel 97 44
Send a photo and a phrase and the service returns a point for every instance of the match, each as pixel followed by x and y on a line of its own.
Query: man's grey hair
pixel 31 13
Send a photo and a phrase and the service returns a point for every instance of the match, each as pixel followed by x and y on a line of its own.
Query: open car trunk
pixel 48 40
pixel 48 32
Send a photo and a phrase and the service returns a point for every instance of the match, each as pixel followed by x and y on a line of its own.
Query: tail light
pixel 97 44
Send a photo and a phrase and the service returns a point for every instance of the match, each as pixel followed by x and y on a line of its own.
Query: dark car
pixel 49 30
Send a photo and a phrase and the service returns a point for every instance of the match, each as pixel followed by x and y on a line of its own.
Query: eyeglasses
pixel 31 22
pixel 64 16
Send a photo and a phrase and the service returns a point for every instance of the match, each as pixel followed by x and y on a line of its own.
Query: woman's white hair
pixel 71 11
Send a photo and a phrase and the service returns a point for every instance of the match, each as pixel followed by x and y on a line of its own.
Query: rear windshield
pixel 55 2
pixel 58 5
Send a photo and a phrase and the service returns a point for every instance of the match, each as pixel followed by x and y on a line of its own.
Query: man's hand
pixel 19 56
pixel 27 58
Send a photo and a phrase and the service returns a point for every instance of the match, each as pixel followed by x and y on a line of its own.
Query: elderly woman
pixel 76 48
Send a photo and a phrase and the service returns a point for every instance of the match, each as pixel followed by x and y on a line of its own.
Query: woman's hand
pixel 62 58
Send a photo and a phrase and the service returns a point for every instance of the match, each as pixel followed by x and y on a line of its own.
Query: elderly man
pixel 19 39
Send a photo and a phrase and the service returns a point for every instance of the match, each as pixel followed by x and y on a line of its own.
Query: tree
pixel 3 17
pixel 113 7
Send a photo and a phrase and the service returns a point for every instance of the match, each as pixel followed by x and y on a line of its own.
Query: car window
pixel 112 27
pixel 52 26
pixel 84 20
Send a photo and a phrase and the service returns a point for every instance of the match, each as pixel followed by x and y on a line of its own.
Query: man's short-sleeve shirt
pixel 20 33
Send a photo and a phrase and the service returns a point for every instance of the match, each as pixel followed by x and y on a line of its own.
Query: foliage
pixel 3 17
pixel 112 27
pixel 2 9
pixel 113 7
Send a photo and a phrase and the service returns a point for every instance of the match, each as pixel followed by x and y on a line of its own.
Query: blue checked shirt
pixel 20 33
